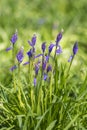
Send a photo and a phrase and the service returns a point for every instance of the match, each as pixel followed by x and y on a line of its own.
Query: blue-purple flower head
pixel 36 69
pixel 13 68
pixel 30 53
pixel 9 48
pixel 33 41
pixel 49 68
pixel 35 81
pixel 43 46
pixel 59 50
pixel 14 38
pixel 47 58
pixel 70 58
pixel 20 55
pixel 59 37
pixel 75 48
pixel 44 65
pixel 45 76
pixel 51 47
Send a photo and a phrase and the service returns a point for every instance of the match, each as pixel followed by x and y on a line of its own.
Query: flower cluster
pixel 42 63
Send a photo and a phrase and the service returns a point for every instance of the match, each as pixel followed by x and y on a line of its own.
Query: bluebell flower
pixel 59 37
pixel 49 68
pixel 43 46
pixel 51 47
pixel 26 63
pixel 30 53
pixel 75 48
pixel 44 65
pixel 14 38
pixel 35 81
pixel 47 58
pixel 38 55
pixel 33 41
pixel 13 67
pixel 70 58
pixel 45 76
pixel 59 50
pixel 20 55
pixel 36 69
pixel 9 48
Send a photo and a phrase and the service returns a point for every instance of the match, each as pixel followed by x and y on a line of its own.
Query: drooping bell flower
pixel 36 69
pixel 49 68
pixel 13 68
pixel 47 58
pixel 14 38
pixel 43 46
pixel 70 58
pixel 35 81
pixel 9 48
pixel 59 37
pixel 30 53
pixel 44 65
pixel 75 48
pixel 50 48
pixel 39 55
pixel 59 50
pixel 45 76
pixel 20 55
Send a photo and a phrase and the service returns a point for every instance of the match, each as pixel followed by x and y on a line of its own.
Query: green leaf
pixel 72 121
pixel 51 125
pixel 39 122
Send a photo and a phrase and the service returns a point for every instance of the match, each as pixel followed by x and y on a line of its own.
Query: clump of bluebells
pixel 43 96
pixel 39 62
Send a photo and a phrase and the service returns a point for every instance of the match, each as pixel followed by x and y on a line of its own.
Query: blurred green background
pixel 45 18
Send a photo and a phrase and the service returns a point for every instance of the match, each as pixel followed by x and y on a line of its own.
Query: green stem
pixel 55 69
pixel 29 71
pixel 70 66
pixel 13 63
pixel 20 91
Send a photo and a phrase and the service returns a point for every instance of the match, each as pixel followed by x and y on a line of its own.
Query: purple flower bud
pixel 20 55
pixel 33 41
pixel 49 68
pixel 38 55
pixel 59 50
pixel 70 58
pixel 36 69
pixel 14 38
pixel 43 46
pixel 30 53
pixel 13 67
pixel 45 77
pixel 47 58
pixel 44 65
pixel 35 81
pixel 51 47
pixel 59 36
pixel 26 63
pixel 75 48
pixel 9 48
